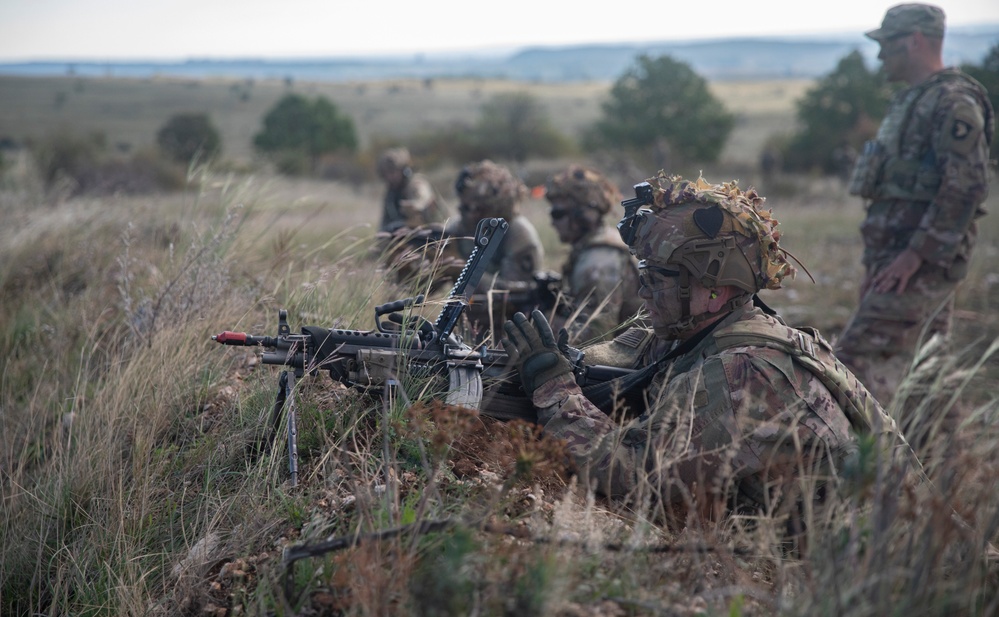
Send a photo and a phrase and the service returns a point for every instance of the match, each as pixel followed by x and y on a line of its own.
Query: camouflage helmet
pixel 720 234
pixel 583 187
pixel 489 189
pixel 394 159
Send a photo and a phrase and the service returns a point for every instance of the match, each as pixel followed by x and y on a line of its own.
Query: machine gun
pixel 412 345
pixel 373 359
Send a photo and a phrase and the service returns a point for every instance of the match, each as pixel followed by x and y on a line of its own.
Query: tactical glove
pixel 534 350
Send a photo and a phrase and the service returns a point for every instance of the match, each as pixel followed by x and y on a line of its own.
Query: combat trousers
pixel 880 341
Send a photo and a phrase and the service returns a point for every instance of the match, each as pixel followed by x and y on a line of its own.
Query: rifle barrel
pixel 242 339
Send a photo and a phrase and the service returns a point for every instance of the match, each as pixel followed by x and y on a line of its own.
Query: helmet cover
pixel 719 233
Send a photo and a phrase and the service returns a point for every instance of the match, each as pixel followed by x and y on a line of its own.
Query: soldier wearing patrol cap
pixel 410 201
pixel 924 179
pixel 733 405
pixel 600 273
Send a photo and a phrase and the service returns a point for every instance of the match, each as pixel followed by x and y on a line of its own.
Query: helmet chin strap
pixel 689 322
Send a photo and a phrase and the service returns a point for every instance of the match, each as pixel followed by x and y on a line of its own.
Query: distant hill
pixel 722 59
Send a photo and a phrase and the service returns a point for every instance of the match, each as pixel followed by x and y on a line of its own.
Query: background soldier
pixel 487 190
pixel 742 405
pixel 924 177
pixel 600 273
pixel 410 201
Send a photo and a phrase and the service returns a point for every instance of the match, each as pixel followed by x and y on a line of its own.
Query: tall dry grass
pixel 135 481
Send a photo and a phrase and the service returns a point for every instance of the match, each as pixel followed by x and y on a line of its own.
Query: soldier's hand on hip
pixel 897 274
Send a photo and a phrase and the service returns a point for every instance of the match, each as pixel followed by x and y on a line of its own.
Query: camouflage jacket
pixel 412 205
pixel 518 258
pixel 601 273
pixel 927 173
pixel 734 419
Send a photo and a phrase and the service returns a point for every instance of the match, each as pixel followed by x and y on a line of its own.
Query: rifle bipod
pixel 285 399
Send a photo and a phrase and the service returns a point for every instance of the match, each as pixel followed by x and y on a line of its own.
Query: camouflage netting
pixel 582 186
pixel 746 217
pixel 493 190
pixel 394 159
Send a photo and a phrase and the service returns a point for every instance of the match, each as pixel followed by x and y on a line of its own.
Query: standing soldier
pixel 488 190
pixel 924 177
pixel 600 273
pixel 734 406
pixel 410 201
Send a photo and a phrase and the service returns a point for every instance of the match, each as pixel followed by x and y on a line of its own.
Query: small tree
pixel 988 74
pixel 66 154
pixel 187 135
pixel 313 127
pixel 661 101
pixel 516 126
pixel 836 117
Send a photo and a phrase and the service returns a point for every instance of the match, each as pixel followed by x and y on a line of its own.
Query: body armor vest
pixel 813 353
pixel 883 170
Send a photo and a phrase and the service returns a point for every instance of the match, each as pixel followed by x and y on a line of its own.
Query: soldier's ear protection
pixel 407 172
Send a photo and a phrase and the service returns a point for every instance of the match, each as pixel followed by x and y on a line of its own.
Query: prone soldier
pixel 410 201
pixel 488 190
pixel 731 406
pixel 600 274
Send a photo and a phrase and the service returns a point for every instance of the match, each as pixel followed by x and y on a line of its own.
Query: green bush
pixel 661 102
pixel 836 117
pixel 516 126
pixel 185 136
pixel 312 127
pixel 513 127
pixel 66 154
pixel 83 164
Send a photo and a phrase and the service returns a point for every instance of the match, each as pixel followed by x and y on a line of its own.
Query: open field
pixel 130 111
pixel 131 476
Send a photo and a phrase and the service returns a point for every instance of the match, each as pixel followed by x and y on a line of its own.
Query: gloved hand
pixel 534 350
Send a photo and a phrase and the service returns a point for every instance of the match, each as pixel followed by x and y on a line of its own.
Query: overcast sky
pixel 178 29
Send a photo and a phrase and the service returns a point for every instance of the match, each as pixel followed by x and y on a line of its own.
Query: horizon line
pixel 491 52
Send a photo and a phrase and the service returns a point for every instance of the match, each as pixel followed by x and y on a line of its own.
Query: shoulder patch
pixel 962 128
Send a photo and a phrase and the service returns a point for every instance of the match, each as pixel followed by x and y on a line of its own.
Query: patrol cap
pixel 905 19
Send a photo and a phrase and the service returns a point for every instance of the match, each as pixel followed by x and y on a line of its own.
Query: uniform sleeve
pixel 419 193
pixel 684 445
pixel 598 280
pixel 419 203
pixel 960 144
pixel 739 428
pixel 522 255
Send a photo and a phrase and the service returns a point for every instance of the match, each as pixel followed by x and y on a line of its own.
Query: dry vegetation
pixel 130 469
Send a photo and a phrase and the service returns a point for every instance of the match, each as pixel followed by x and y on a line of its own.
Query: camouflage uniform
pixel 411 203
pixel 925 178
pixel 487 190
pixel 515 262
pixel 730 417
pixel 735 413
pixel 600 271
